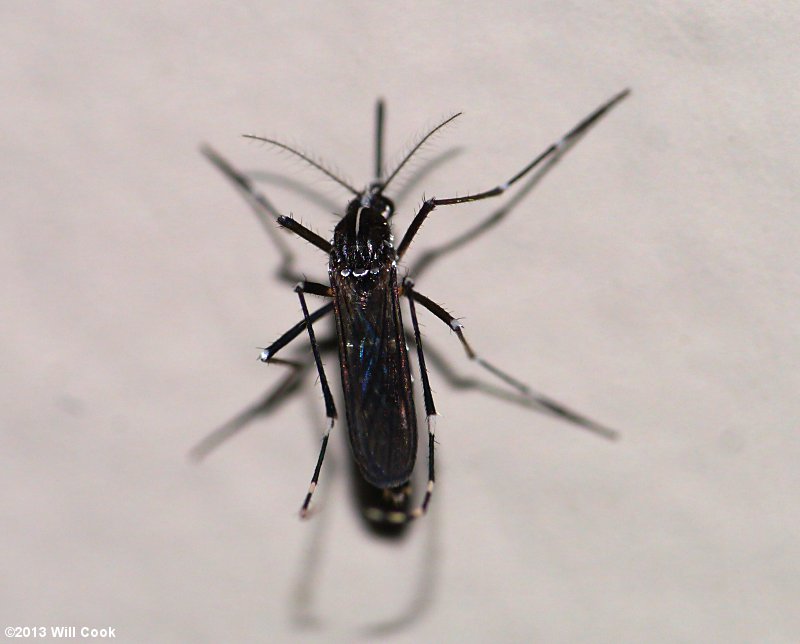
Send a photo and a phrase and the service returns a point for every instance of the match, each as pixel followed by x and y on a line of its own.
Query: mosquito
pixel 365 289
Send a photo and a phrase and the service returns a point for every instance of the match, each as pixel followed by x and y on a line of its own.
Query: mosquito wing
pixel 376 379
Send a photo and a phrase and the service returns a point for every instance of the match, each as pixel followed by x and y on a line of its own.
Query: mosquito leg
pixel 309 235
pixel 315 288
pixel 555 149
pixel 432 255
pixel 430 408
pixel 552 406
pixel 268 353
pixel 287 386
pixel 330 407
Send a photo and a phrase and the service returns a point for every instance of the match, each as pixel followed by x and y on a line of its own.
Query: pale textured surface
pixel 651 281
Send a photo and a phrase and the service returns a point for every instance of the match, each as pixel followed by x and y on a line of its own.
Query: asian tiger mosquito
pixel 365 298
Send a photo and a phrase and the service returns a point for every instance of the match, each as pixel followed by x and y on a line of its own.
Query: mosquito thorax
pixel 362 240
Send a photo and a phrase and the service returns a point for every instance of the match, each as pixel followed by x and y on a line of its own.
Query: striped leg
pixel 330 407
pixel 430 408
pixel 552 406
pixel 553 150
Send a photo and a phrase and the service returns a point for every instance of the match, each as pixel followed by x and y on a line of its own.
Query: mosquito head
pixel 374 199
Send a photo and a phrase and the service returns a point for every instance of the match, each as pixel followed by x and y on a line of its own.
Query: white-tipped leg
pixel 306 510
pixel 268 354
pixel 548 404
pixel 554 150
pixel 330 407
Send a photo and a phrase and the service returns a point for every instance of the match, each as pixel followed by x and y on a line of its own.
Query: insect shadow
pixel 365 294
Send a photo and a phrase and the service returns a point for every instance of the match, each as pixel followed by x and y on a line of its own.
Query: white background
pixel 650 281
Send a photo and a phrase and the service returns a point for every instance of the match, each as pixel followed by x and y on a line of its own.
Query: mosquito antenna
pixel 417 147
pixel 380 109
pixel 306 158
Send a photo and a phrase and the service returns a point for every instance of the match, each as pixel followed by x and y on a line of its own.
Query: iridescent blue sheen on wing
pixel 376 379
